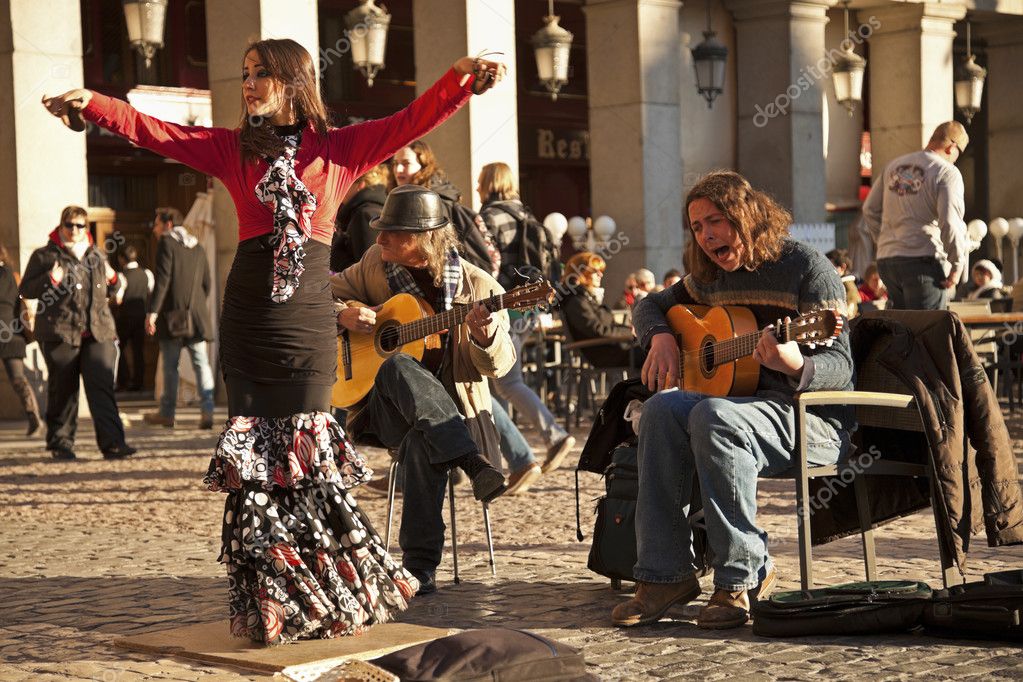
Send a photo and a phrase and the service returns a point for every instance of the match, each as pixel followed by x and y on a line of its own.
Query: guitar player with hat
pixel 436 411
pixel 739 254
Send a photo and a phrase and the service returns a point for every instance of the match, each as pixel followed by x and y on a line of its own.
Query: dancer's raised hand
pixel 68 107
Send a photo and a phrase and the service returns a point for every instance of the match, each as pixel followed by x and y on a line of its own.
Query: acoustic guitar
pixel 407 324
pixel 716 345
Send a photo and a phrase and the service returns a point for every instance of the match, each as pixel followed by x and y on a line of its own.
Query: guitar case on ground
pixel 863 608
pixel 988 609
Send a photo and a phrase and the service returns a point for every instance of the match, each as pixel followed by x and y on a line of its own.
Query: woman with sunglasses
pixel 302 559
pixel 71 280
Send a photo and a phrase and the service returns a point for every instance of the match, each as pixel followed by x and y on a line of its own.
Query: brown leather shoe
pixel 724 610
pixel 652 601
pixel 731 609
pixel 157 419
pixel 206 420
pixel 557 453
pixel 519 481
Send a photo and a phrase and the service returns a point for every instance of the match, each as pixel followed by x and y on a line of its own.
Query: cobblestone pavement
pixel 95 550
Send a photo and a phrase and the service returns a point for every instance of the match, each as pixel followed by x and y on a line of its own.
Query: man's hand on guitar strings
pixel 479 320
pixel 358 319
pixel 660 371
pixel 781 357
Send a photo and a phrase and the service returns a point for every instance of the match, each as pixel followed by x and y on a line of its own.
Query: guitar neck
pixel 743 345
pixel 435 324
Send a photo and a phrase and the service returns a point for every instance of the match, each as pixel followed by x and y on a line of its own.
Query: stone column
pixel 486 130
pixel 782 66
pixel 43 166
pixel 1004 118
pixel 230 26
pixel 632 51
pixel 910 67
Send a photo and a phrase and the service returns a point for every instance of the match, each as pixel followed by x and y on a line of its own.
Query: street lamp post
pixel 847 72
pixel 145 20
pixel 969 82
pixel 709 60
pixel 551 45
pixel 367 32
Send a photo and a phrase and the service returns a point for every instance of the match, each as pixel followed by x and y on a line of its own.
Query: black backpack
pixel 532 251
pixel 471 239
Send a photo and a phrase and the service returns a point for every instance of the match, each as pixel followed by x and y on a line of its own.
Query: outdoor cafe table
pixel 1011 327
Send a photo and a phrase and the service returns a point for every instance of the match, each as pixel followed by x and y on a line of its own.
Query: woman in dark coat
pixel 13 327
pixel 303 561
pixel 586 316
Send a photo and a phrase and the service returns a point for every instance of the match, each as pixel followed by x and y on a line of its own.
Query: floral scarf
pixel 293 206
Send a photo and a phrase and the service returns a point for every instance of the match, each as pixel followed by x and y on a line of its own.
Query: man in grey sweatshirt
pixel 914 214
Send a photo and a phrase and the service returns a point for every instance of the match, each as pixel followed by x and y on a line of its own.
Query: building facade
pixel 626 137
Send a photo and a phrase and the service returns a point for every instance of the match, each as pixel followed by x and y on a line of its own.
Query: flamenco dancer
pixel 302 559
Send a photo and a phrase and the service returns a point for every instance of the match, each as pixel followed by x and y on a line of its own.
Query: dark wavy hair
pixel 759 221
pixel 291 69
pixel 430 173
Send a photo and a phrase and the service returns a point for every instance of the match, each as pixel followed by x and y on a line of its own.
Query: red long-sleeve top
pixel 327 165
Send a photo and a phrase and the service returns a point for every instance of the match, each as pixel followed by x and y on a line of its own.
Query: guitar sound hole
pixel 707 358
pixel 389 340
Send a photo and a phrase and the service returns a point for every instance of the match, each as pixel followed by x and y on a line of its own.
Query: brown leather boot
pixel 28 403
pixel 724 610
pixel 652 601
pixel 206 420
pixel 731 609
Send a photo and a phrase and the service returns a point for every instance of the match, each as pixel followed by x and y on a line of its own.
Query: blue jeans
pixel 512 389
pixel 170 350
pixel 514 447
pixel 728 443
pixel 914 283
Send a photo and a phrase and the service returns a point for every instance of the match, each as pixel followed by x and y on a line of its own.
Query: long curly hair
pixel 435 245
pixel 430 173
pixel 759 221
pixel 292 71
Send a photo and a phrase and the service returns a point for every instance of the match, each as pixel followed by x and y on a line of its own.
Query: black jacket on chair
pixel 78 303
pixel 177 267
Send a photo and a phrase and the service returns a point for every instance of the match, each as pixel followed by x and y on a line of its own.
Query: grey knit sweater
pixel 800 281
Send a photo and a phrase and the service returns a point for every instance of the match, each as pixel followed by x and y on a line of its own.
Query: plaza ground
pixel 95 550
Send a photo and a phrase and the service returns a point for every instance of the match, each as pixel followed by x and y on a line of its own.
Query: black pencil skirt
pixel 278 359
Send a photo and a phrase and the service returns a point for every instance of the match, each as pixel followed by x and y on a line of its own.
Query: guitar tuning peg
pixel 812 345
pixel 829 343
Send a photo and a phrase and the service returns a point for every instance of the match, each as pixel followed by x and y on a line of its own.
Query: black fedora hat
pixel 411 208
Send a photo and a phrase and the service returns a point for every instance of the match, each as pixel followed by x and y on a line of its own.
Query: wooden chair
pixel 878 403
pixel 392 482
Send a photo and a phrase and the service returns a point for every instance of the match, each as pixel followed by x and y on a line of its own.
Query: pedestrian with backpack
pixel 352 234
pixel 526 251
pixel 416 164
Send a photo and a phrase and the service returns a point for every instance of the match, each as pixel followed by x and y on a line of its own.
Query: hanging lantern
pixel 552 44
pixel 847 73
pixel 367 32
pixel 969 82
pixel 709 60
pixel 145 21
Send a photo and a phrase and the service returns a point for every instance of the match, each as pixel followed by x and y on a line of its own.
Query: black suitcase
pixel 990 609
pixel 863 608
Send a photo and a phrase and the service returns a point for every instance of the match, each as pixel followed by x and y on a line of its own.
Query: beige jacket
pixel 366 282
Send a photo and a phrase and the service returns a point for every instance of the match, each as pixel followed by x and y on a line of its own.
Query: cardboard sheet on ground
pixel 213 643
